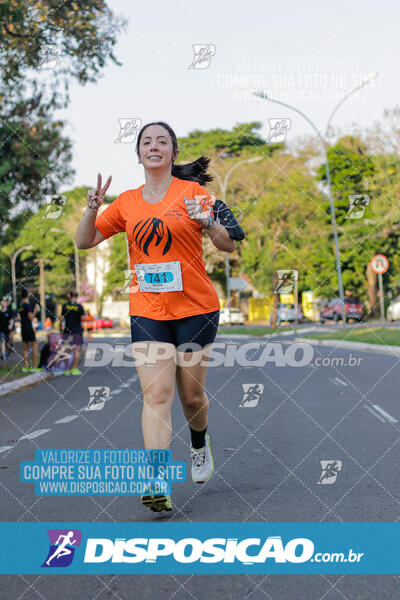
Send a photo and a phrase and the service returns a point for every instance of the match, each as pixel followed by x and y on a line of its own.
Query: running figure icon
pixel 62 350
pixel 61 549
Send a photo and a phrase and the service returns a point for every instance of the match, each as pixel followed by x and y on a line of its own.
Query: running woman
pixel 174 308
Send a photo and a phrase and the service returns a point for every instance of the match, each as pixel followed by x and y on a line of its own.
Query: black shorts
pixel 28 335
pixel 195 332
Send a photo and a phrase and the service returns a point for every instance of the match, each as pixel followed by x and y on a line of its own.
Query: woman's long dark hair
pixel 194 171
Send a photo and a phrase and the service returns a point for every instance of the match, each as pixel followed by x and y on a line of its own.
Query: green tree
pixel 118 264
pixel 83 32
pixel 355 171
pixel 284 223
pixel 34 154
pixel 34 160
pixel 56 247
pixel 222 143
pixel 351 168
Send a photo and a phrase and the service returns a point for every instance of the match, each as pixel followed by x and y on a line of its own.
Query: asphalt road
pixel 267 465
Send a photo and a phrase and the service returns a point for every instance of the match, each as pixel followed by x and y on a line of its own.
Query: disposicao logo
pixel 190 550
pixel 62 547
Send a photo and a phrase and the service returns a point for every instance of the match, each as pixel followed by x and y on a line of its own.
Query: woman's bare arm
pixel 87 235
pixel 220 238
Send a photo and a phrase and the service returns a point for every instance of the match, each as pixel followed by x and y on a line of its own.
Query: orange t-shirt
pixel 163 232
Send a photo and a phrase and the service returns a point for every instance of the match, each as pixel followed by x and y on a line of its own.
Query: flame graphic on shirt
pixel 153 228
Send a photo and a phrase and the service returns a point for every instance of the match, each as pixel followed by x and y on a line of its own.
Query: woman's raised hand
pixel 196 212
pixel 95 197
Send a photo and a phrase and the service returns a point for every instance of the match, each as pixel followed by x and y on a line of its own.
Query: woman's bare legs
pixel 190 381
pixel 34 354
pixel 157 380
pixel 25 348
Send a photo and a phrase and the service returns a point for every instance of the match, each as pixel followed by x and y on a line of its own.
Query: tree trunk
pixel 372 291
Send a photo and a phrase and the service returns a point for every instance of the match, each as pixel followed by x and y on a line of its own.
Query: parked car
pixel 393 310
pixel 98 323
pixel 236 316
pixel 333 310
pixel 287 312
pixel 103 322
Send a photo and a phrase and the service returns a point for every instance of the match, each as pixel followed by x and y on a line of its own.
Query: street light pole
pixel 328 176
pixel 223 186
pixel 42 295
pixel 13 277
pixel 364 82
pixel 40 261
pixel 76 259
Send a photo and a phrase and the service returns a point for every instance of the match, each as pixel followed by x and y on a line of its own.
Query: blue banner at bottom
pixel 199 548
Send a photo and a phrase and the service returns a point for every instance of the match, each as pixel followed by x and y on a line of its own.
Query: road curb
pixel 377 348
pixel 102 334
pixel 17 384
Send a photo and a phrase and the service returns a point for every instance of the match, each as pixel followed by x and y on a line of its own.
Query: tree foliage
pixel 219 143
pixel 83 31
pixel 35 156
pixel 56 247
pixel 355 171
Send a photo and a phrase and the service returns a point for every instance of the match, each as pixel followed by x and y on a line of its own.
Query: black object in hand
pixel 224 216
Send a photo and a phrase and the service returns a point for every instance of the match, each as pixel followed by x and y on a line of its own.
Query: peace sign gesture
pixel 95 197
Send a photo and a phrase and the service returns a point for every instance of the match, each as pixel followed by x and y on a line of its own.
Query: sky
pixel 308 54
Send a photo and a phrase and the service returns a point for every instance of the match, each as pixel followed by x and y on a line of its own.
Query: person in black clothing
pixel 45 354
pixel 72 315
pixel 26 314
pixel 51 308
pixel 5 325
pixel 12 315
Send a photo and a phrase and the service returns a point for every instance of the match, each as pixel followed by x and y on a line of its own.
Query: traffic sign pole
pixel 379 265
pixel 381 297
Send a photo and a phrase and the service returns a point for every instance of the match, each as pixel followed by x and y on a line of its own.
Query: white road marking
pixel 333 381
pixel 34 434
pixel 67 419
pixel 374 413
pixel 385 414
pixel 340 381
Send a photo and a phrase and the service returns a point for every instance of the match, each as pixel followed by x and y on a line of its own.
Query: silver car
pixel 287 312
pixel 393 310
pixel 236 316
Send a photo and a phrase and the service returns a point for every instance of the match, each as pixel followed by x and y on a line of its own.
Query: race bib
pixel 159 277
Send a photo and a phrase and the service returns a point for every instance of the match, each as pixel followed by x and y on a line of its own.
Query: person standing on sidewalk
pixel 26 314
pixel 4 328
pixel 12 315
pixel 72 316
pixel 174 307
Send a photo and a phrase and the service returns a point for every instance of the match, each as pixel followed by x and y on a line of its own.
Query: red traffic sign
pixel 379 263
